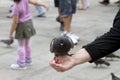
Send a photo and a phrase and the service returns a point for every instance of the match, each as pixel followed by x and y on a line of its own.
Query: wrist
pixel 81 56
pixel 75 62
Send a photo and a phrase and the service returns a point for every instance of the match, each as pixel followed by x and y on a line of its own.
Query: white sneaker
pixel 74 40
pixel 17 67
pixel 73 36
pixel 64 33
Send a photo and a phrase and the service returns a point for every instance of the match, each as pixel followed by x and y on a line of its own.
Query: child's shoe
pixel 28 61
pixel 18 67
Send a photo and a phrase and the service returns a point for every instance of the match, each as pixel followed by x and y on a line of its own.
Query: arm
pixel 13 27
pixel 81 56
pixel 35 2
pixel 108 43
pixel 100 47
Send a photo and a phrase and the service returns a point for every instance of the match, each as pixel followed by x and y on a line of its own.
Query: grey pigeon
pixel 100 62
pixel 114 77
pixel 60 46
pixel 7 41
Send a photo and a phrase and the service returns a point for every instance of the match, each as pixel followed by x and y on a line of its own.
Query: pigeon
pixel 7 41
pixel 101 61
pixel 112 56
pixel 114 77
pixel 60 46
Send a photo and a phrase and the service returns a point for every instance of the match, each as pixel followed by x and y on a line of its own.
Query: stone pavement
pixel 87 25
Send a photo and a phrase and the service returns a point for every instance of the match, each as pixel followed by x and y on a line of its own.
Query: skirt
pixel 25 30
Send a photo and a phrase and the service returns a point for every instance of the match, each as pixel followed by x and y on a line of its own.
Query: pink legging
pixel 24 50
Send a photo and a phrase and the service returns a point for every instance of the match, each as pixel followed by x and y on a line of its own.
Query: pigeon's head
pixel 61 45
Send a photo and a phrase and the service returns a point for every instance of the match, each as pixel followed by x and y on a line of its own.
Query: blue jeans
pixel 40 10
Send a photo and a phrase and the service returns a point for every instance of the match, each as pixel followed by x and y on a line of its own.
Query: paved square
pixel 87 25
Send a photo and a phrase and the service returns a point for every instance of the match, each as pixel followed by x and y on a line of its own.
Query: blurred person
pixel 67 9
pixel 84 5
pixel 41 10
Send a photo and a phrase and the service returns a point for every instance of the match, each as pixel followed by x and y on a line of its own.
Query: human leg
pixel 68 8
pixel 87 3
pixel 21 56
pixel 58 19
pixel 83 6
pixel 66 13
pixel 28 59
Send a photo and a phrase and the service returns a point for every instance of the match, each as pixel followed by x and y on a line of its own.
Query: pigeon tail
pixel 106 63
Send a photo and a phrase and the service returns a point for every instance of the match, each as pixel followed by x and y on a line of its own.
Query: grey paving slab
pixel 87 25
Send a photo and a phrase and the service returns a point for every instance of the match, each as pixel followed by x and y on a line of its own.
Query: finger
pixel 60 68
pixel 57 67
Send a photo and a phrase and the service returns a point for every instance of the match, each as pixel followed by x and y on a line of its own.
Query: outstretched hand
pixel 62 63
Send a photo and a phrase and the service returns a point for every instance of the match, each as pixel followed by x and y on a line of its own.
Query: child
pixel 22 24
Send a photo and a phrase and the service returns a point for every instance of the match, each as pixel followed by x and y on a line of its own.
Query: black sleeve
pixel 107 43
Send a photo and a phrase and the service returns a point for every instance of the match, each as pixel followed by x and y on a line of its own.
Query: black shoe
pixel 58 19
pixel 61 26
pixel 42 15
pixel 104 3
pixel 61 23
